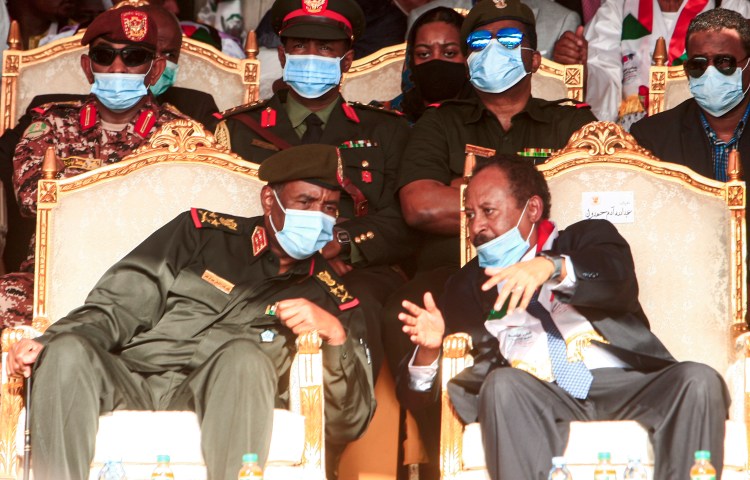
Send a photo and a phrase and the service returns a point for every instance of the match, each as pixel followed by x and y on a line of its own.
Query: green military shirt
pixel 371 141
pixel 436 149
pixel 196 284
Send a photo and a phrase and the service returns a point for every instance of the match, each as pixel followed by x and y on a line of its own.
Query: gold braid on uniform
pixel 222 135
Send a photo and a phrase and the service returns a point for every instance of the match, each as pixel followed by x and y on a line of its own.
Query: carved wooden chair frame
pixel 660 77
pixel 180 142
pixel 599 143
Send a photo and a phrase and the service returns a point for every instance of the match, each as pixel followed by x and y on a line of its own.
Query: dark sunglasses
pixel 509 38
pixel 131 56
pixel 696 66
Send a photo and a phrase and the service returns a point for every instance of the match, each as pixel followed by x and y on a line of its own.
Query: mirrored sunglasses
pixel 696 66
pixel 131 56
pixel 509 38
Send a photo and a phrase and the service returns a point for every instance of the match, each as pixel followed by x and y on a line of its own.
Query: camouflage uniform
pixel 82 144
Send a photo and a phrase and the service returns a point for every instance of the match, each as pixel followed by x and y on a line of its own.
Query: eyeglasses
pixel 696 66
pixel 131 56
pixel 509 38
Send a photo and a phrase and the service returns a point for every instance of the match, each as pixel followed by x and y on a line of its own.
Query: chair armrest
pixel 456 357
pixel 306 398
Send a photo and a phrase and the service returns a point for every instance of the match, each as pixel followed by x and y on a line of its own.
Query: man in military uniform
pixel 499 39
pixel 315 51
pixel 203 315
pixel 118 117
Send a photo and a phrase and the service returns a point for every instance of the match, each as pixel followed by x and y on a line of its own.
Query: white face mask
pixel 717 93
pixel 305 231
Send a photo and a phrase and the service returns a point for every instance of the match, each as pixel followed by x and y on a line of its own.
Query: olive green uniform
pixel 183 322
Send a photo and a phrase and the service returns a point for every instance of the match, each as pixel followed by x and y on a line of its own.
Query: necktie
pixel 314 129
pixel 573 377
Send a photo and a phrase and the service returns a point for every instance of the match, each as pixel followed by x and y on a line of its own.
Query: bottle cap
pixel 162 459
pixel 250 458
pixel 604 456
pixel 703 455
pixel 559 461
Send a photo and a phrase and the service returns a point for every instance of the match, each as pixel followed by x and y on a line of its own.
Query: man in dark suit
pixel 572 343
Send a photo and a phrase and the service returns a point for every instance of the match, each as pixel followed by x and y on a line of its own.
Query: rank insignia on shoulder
pixel 349 112
pixel 238 109
pixel 207 219
pixel 82 163
pixel 37 129
pixel 259 240
pixel 344 299
pixel 267 336
pixel 268 118
pixel 222 284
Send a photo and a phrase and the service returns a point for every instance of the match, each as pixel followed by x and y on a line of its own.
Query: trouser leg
pixel 233 393
pixel 525 422
pixel 683 407
pixel 74 381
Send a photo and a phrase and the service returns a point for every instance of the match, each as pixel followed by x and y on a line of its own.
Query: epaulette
pixel 219 221
pixel 569 102
pixel 332 284
pixel 375 108
pixel 172 109
pixel 239 109
pixel 44 108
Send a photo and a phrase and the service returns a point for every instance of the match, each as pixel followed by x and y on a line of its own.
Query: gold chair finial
pixel 251 45
pixel 660 52
pixel 734 166
pixel 50 164
pixel 14 37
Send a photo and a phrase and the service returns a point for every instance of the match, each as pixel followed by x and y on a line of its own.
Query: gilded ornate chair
pixel 55 68
pixel 668 84
pixel 378 77
pixel 181 167
pixel 697 308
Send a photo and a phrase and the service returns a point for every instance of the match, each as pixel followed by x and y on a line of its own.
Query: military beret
pixel 489 11
pixel 123 25
pixel 318 19
pixel 317 164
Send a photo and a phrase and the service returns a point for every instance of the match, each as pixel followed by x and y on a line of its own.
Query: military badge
pixel 314 6
pixel 36 130
pixel 146 121
pixel 500 3
pixel 267 336
pixel 268 118
pixel 222 284
pixel 259 240
pixel 349 112
pixel 271 309
pixel 337 290
pixel 134 25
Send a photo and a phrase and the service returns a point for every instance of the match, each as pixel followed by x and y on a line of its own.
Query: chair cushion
pixel 622 439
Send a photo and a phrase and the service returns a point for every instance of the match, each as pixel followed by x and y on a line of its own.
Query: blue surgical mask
pixel 311 76
pixel 166 80
pixel 305 231
pixel 717 93
pixel 505 250
pixel 119 91
pixel 495 68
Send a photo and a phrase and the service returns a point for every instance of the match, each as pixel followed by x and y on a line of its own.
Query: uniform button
pixel 343 355
pixel 365 164
pixel 357 240
pixel 370 235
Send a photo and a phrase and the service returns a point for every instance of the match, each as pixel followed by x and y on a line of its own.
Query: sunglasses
pixel 131 56
pixel 509 38
pixel 696 66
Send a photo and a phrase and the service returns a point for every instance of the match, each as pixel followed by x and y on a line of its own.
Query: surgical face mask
pixel 305 231
pixel 311 76
pixel 166 80
pixel 717 93
pixel 119 91
pixel 506 249
pixel 495 68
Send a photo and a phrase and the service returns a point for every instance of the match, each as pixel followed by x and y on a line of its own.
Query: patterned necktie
pixel 573 377
pixel 314 130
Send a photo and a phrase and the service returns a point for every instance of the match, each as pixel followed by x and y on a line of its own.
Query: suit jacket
pixel 677 136
pixel 606 293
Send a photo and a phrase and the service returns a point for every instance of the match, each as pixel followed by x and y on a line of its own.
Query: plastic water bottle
pixel 162 470
pixel 605 470
pixel 702 468
pixel 250 469
pixel 112 470
pixel 635 471
pixel 559 470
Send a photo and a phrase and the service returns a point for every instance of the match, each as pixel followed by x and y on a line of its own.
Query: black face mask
pixel 439 80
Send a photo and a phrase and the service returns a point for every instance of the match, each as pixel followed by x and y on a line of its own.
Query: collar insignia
pixel 135 25
pixel 259 239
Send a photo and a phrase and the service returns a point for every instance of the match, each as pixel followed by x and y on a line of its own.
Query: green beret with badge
pixel 318 19
pixel 490 11
pixel 316 164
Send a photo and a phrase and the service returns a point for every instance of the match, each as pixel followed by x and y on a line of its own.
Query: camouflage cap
pixel 489 11
pixel 123 25
pixel 318 19
pixel 317 164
